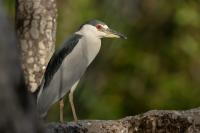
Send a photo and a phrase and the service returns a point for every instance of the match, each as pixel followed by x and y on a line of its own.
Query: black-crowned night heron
pixel 69 63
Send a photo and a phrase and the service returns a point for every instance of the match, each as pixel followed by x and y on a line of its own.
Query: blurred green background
pixel 158 67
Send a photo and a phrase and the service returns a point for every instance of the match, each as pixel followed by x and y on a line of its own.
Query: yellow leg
pixel 61 110
pixel 72 104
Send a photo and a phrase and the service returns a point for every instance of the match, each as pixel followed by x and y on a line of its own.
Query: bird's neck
pixel 91 46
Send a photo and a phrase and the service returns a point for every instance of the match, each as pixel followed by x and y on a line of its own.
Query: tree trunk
pixel 17 111
pixel 156 121
pixel 36 31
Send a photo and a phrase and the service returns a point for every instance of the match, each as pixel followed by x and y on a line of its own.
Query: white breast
pixel 91 47
pixel 91 41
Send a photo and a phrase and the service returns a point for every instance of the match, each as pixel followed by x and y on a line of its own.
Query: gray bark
pixel 36 31
pixel 156 121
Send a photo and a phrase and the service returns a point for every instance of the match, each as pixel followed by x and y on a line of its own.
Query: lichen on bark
pixel 36 31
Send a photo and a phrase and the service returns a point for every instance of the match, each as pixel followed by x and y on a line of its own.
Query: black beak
pixel 116 34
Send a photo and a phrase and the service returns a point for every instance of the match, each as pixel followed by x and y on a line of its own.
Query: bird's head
pixel 100 30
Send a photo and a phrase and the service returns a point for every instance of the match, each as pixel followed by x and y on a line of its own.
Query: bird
pixel 69 63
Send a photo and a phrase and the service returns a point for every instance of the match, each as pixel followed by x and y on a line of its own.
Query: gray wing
pixel 68 67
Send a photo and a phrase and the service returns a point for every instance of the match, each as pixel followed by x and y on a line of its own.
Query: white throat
pixel 90 41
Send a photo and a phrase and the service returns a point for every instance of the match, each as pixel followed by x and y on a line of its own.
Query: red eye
pixel 98 26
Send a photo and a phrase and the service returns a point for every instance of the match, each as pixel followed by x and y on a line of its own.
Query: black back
pixel 58 57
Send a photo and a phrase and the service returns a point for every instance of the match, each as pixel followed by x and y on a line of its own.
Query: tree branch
pixel 156 121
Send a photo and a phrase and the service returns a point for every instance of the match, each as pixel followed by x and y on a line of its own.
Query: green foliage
pixel 9 6
pixel 157 67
